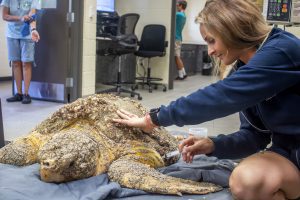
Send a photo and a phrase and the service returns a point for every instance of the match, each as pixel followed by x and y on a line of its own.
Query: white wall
pixel 89 48
pixel 151 12
pixel 5 70
pixel 191 32
pixel 293 30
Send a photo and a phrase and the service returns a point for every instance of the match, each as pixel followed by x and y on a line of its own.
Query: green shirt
pixel 180 22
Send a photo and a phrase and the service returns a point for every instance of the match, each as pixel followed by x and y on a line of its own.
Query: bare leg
pixel 263 176
pixel 18 75
pixel 27 76
pixel 179 63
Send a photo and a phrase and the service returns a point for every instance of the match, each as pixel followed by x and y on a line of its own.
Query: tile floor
pixel 19 119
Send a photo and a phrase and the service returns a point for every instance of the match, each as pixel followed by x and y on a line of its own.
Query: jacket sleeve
pixel 242 143
pixel 269 72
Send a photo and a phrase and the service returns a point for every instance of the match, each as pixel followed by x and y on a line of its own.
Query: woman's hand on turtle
pixel 133 120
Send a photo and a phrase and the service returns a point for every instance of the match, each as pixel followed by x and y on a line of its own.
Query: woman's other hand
pixel 133 120
pixel 195 145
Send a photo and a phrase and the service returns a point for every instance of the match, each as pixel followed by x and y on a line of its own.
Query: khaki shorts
pixel 178 44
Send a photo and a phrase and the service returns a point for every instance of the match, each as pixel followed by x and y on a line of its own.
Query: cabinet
pixel 107 65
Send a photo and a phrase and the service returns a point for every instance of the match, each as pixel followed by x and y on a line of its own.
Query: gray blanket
pixel 23 183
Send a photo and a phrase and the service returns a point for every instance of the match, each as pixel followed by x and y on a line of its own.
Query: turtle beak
pixel 49 174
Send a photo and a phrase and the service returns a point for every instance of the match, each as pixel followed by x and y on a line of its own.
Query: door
pixel 55 72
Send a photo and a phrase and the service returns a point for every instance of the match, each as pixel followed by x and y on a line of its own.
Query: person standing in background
pixel 20 47
pixel 180 22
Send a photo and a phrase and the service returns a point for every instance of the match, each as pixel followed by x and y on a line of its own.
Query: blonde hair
pixel 239 23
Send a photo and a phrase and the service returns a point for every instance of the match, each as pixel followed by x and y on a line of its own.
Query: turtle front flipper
pixel 135 175
pixel 22 151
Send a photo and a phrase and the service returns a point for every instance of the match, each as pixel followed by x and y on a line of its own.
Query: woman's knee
pixel 251 180
pixel 244 181
pixel 261 176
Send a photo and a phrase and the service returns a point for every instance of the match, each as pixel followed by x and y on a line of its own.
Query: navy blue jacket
pixel 266 92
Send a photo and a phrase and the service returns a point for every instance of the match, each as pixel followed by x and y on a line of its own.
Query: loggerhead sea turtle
pixel 80 140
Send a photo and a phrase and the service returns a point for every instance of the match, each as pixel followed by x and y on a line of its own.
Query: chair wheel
pixel 132 95
pixel 155 87
pixel 165 89
pixel 140 98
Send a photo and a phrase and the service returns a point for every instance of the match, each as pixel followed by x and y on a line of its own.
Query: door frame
pixel 75 49
pixel 172 67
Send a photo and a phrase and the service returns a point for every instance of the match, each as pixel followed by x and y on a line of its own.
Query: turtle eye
pixel 71 164
pixel 45 163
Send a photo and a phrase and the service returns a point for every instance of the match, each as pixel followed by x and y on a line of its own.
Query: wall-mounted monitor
pixel 106 5
pixel 283 11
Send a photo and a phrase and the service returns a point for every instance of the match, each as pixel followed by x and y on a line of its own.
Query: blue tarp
pixel 23 183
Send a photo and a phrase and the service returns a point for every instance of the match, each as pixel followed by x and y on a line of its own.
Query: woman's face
pixel 217 48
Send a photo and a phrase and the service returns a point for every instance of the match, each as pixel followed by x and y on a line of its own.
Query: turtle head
pixel 69 155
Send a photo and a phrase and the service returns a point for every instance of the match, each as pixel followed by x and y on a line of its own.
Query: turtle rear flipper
pixel 135 175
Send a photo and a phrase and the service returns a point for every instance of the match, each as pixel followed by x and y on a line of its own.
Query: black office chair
pixel 125 42
pixel 107 23
pixel 152 44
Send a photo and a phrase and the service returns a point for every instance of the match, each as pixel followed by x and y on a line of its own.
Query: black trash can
pixel 207 69
pixel 207 64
